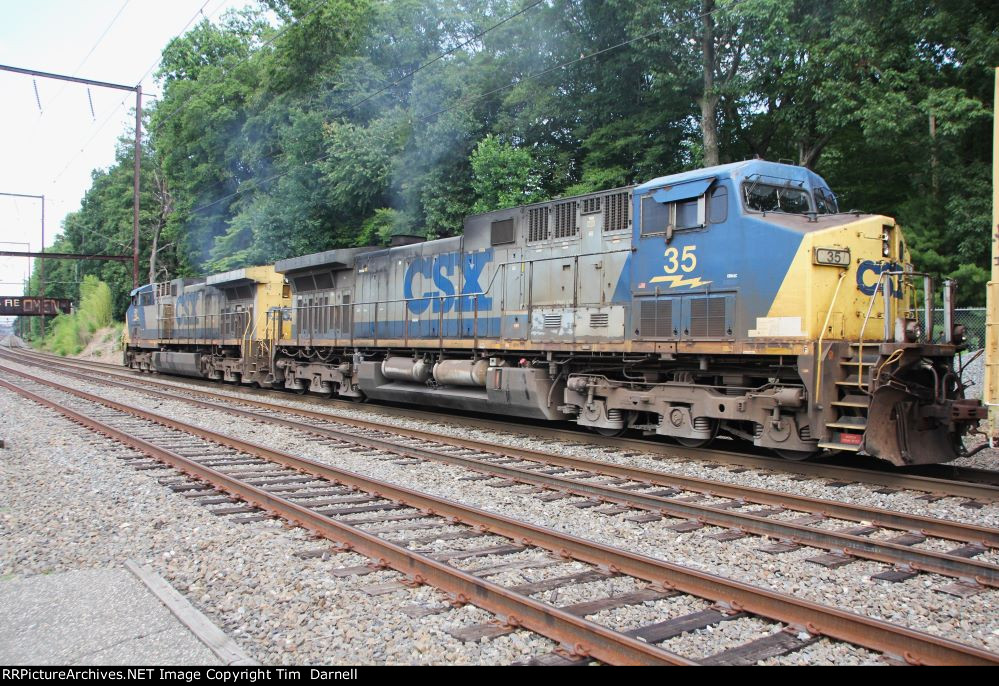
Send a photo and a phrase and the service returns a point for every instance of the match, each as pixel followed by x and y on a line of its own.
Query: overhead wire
pixel 200 12
pixel 93 48
pixel 121 104
pixel 319 4
pixel 466 101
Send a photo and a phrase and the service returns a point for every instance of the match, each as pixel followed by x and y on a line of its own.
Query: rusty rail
pixel 584 637
pixel 966 482
pixel 985 536
pixel 913 646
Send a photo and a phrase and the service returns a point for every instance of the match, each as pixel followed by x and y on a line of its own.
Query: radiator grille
pixel 167 321
pixel 707 317
pixel 537 224
pixel 656 318
pixel 565 220
pixel 599 320
pixel 616 212
pixel 553 321
pixel 591 205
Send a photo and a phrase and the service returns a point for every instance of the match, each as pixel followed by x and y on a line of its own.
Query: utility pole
pixel 135 186
pixel 991 395
pixel 137 89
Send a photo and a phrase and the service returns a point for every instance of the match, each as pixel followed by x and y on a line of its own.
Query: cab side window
pixel 682 214
pixel 655 216
pixel 718 206
pixel 686 214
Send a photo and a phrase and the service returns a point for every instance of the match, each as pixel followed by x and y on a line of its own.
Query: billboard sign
pixel 27 306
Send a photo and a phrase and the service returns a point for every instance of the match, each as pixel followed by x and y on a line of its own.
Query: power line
pixel 467 101
pixel 90 140
pixel 121 104
pixel 91 52
pixel 170 115
pixel 101 37
pixel 201 12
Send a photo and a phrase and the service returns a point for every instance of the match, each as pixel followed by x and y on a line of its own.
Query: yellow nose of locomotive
pixel 843 260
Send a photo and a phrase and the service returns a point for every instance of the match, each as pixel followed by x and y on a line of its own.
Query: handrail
pixel 863 329
pixel 822 355
pixel 885 291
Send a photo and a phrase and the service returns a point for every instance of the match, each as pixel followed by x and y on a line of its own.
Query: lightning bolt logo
pixel 678 281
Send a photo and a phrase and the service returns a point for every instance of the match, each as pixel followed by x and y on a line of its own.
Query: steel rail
pixel 585 637
pixel 857 546
pixel 972 483
pixel 913 646
pixel 929 561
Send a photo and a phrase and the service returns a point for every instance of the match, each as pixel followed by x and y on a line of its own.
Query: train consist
pixel 732 300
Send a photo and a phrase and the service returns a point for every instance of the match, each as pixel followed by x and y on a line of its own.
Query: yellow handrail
pixel 863 328
pixel 822 355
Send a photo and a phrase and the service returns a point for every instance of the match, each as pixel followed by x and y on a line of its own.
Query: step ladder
pixel 852 401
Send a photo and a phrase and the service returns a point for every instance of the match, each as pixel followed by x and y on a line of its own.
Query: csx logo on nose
pixel 876 269
pixel 439 271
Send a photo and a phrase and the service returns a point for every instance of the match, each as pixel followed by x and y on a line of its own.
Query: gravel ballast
pixel 914 603
pixel 66 503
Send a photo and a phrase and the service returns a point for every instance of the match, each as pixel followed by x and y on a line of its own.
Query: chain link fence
pixel 973 319
pixel 971 362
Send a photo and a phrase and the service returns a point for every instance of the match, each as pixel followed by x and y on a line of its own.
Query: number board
pixel 834 257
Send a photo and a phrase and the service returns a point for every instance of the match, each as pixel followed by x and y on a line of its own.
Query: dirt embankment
pixel 105 346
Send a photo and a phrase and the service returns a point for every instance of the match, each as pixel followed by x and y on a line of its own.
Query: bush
pixel 70 333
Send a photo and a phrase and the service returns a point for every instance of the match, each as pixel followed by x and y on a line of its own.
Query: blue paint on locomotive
pixel 136 313
pixel 869 284
pixel 442 270
pixel 744 256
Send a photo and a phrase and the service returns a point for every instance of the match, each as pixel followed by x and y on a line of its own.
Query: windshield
pixel 770 198
pixel 825 201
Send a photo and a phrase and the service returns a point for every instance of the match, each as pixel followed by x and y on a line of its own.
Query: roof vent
pixel 403 239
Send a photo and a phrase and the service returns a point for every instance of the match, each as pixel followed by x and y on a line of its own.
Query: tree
pixel 502 176
pixel 352 120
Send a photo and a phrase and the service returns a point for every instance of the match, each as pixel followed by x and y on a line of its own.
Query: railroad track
pixel 651 495
pixel 941 480
pixel 324 499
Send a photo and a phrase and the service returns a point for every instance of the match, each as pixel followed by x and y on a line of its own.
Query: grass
pixel 70 333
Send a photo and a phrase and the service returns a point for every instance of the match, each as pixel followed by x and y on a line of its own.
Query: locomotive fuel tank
pixel 406 369
pixel 461 372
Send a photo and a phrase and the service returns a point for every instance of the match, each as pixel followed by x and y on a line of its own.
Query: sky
pixel 51 150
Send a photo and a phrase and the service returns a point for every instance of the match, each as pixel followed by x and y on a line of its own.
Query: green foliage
pixel 70 333
pixel 379 228
pixel 503 176
pixel 332 135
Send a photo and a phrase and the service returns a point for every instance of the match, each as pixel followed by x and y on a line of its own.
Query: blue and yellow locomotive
pixel 735 299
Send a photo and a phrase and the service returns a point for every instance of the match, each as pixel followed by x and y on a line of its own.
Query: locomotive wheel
pixel 693 442
pixel 610 433
pixel 698 442
pixel 796 455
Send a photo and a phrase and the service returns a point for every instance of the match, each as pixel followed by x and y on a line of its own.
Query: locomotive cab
pixel 754 285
